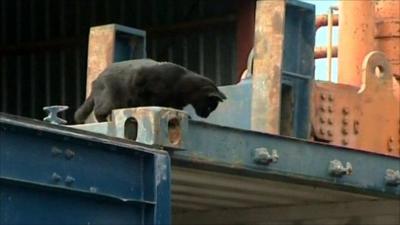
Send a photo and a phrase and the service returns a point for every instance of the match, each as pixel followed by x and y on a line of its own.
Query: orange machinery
pixel 362 110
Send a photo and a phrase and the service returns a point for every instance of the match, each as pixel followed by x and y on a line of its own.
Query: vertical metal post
pixel 330 34
pixel 268 53
pixel 100 52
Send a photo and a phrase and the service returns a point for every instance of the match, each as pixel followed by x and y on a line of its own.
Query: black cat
pixel 145 82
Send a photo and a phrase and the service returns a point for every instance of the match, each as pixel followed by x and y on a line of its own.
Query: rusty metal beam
pixel 268 46
pixel 100 52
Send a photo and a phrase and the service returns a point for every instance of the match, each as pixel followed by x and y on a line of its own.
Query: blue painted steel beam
pixel 53 174
pixel 232 150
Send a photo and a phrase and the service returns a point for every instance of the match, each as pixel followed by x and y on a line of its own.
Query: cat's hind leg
pixel 103 108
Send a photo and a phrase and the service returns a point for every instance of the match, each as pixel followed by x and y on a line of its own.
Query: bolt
pixel 345 111
pixel 330 134
pixel 345 142
pixel 344 131
pixel 330 98
pixel 56 151
pixel 93 189
pixel 69 180
pixel 321 131
pixel 322 96
pixel 355 126
pixel 322 120
pixel 55 177
pixel 69 154
pixel 390 144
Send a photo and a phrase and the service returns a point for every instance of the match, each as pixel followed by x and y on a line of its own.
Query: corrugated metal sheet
pixel 43 50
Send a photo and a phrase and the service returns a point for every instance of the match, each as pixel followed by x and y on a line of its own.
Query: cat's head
pixel 208 102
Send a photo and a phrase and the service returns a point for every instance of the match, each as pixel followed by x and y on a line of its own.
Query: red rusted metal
pixel 268 53
pixel 245 32
pixel 356 39
pixel 322 20
pixel 321 52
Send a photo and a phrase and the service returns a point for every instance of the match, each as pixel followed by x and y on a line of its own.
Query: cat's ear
pixel 217 94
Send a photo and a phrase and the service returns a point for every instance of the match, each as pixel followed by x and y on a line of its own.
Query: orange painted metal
pixel 356 38
pixel 321 52
pixel 322 20
pixel 388 31
pixel 365 118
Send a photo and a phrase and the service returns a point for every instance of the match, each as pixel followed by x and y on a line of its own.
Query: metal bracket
pixel 52 112
pixel 337 169
pixel 392 177
pixel 262 156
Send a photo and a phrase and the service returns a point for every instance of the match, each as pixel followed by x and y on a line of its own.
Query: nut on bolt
pixel 392 177
pixel 262 156
pixel 337 169
pixel 69 180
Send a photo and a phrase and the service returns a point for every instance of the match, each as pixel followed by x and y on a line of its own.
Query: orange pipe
pixel 322 20
pixel 356 38
pixel 321 52
pixel 388 31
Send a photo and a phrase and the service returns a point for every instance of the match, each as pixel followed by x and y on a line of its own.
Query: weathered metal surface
pixel 365 118
pixel 50 175
pixel 387 14
pixel 322 20
pixel 155 126
pixel 356 39
pixel 268 56
pixel 321 52
pixel 296 76
pixel 232 150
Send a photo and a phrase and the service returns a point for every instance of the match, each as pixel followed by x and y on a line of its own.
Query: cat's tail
pixel 84 110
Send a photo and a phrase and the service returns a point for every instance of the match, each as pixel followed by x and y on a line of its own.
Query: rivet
pixel 322 120
pixel 69 180
pixel 322 109
pixel 345 121
pixel 321 131
pixel 344 131
pixel 330 109
pixel 56 151
pixel 355 126
pixel 69 154
pixel 322 96
pixel 330 122
pixel 345 142
pixel 330 98
pixel 345 111
pixel 55 177
pixel 329 132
